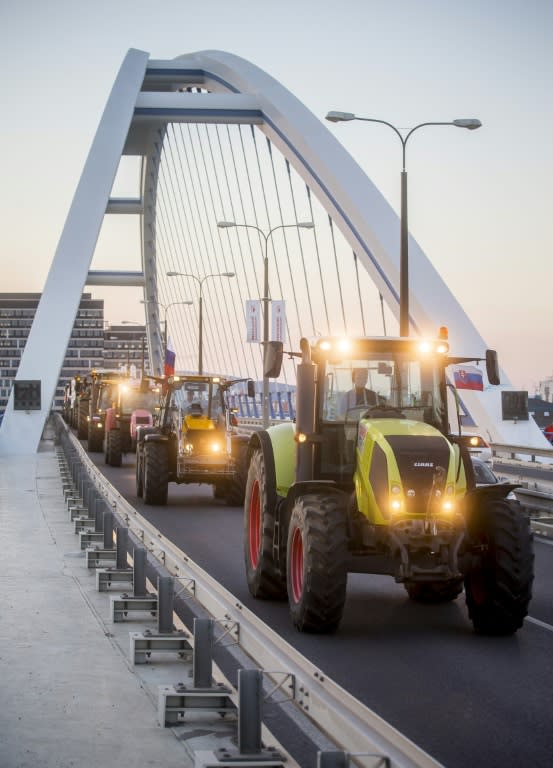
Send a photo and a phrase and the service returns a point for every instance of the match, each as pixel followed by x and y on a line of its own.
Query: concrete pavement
pixel 69 694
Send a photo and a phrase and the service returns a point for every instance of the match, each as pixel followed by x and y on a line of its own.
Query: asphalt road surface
pixel 468 701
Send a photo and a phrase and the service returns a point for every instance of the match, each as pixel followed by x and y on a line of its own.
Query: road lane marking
pixel 539 623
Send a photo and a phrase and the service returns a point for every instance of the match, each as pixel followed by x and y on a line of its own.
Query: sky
pixel 479 201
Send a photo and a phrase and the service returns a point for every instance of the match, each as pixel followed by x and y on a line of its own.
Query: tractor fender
pixel 110 420
pixel 484 493
pixel 155 437
pixel 142 430
pixel 327 487
pixel 279 452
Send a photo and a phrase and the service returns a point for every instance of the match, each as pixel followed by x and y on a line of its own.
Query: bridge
pixel 243 195
pixel 232 169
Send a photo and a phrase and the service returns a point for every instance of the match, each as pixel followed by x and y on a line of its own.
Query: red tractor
pixel 128 403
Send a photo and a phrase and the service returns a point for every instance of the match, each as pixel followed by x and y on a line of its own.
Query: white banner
pixel 253 321
pixel 278 320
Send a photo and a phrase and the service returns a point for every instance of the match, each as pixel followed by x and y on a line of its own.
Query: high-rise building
pixel 92 344
pixel 125 346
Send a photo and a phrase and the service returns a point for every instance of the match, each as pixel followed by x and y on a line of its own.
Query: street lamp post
pixel 266 299
pixel 166 308
pixel 471 124
pixel 200 281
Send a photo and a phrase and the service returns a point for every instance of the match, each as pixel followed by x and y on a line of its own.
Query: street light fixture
pixel 166 308
pixel 200 281
pixel 301 225
pixel 471 124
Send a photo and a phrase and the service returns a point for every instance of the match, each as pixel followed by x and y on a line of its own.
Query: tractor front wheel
pixel 262 573
pixel 156 473
pixel 498 590
pixel 316 563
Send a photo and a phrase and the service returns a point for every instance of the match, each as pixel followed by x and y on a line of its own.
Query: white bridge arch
pixel 146 96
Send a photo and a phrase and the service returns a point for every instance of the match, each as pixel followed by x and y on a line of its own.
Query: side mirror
pixel 273 359
pixel 251 388
pixel 492 366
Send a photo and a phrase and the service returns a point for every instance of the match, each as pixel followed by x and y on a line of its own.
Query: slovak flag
pixel 169 359
pixel 468 377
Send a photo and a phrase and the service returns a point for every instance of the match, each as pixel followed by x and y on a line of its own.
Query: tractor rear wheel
pixel 316 563
pixel 114 450
pixel 95 438
pixel 499 589
pixel 156 473
pixel 236 488
pixel 262 573
pixel 82 422
pixel 432 592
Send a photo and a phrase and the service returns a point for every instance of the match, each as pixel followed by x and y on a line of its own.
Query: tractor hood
pixel 405 457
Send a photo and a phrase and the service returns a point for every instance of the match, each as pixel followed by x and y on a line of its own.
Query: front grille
pixel 417 458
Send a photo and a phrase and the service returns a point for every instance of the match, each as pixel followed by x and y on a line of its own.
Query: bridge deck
pixel 71 696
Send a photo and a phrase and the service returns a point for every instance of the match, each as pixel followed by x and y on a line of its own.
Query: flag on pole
pixel 468 377
pixel 279 320
pixel 253 320
pixel 169 359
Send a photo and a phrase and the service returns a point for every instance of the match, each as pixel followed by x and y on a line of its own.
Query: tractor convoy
pixel 106 407
pixel 371 478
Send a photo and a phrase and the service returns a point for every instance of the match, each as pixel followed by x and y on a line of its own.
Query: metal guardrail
pixel 347 722
pixel 512 451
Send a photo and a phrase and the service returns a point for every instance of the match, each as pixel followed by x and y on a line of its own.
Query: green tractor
pixel 371 479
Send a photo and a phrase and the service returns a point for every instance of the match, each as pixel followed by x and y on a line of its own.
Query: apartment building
pixel 93 343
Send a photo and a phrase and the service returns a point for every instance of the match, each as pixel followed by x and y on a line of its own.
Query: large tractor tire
pixel 116 447
pixel 82 422
pixel 236 488
pixel 499 589
pixel 114 452
pixel 95 438
pixel 433 592
pixel 156 473
pixel 316 563
pixel 262 573
pixel 140 470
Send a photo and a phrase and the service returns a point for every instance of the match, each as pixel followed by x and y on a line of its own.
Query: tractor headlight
pixel 188 448
pixel 396 498
pixel 216 447
pixel 448 506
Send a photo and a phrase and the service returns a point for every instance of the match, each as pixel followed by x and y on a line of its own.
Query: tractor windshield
pixel 133 399
pixel 393 385
pixel 202 398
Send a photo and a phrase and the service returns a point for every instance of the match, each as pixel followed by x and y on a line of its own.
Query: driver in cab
pixel 359 395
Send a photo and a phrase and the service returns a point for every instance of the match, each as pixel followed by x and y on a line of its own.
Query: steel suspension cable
pixel 292 282
pixel 359 293
pixel 308 291
pixel 317 251
pixel 213 217
pixel 331 224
